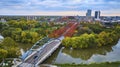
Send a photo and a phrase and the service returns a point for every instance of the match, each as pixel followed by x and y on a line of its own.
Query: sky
pixel 59 7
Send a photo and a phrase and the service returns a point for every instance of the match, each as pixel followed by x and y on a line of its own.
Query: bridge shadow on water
pixel 51 59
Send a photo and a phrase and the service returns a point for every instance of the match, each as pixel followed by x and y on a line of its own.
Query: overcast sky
pixel 59 7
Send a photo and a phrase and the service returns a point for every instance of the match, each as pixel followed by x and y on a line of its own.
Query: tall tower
pixel 88 14
pixel 97 15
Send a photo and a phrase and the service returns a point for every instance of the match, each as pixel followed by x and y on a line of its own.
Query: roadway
pixel 39 54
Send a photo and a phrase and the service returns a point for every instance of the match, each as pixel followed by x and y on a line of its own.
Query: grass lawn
pixel 113 64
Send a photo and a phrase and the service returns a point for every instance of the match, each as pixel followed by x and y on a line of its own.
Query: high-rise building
pixel 88 14
pixel 31 17
pixel 97 15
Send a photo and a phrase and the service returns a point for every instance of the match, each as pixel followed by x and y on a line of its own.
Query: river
pixel 64 55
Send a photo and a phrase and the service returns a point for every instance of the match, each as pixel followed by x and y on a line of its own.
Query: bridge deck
pixel 38 56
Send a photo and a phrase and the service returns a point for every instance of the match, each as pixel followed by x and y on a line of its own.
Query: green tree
pixel 83 41
pixel 8 42
pixel 11 48
pixel 3 53
pixel 13 52
pixel 104 39
pixel 66 42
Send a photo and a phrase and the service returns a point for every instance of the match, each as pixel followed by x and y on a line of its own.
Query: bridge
pixel 38 53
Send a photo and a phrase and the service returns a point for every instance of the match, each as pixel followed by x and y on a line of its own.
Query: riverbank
pixel 83 39
pixel 105 64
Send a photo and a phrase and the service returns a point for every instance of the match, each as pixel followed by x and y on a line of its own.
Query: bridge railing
pixel 38 44
pixel 45 45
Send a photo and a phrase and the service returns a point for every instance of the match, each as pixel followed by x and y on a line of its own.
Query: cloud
pixel 58 5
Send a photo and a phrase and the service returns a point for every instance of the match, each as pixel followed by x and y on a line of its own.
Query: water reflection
pixel 109 57
pixel 65 55
pixel 103 54
pixel 85 54
pixel 53 57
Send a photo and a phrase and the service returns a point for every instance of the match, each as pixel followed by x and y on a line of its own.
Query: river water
pixel 63 55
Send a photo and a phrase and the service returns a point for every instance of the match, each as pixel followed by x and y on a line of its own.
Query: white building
pixel 1 38
pixel 2 20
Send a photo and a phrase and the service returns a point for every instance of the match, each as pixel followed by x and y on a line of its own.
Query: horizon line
pixel 47 15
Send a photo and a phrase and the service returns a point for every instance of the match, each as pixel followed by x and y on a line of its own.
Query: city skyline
pixel 59 7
